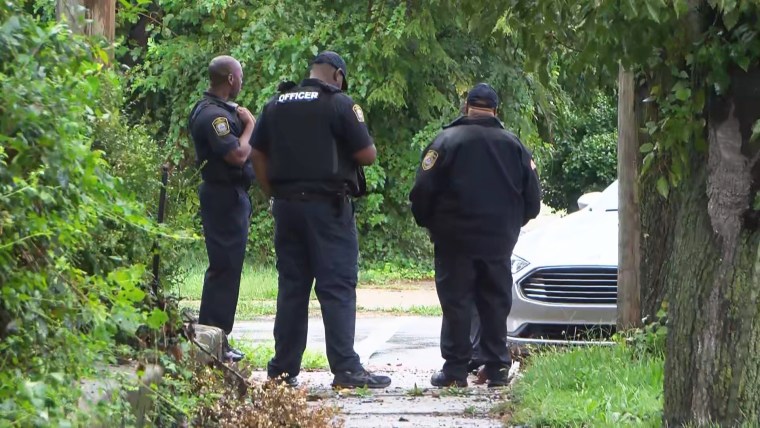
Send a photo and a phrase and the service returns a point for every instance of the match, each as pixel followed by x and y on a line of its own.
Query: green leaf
pixel 730 18
pixel 663 188
pixel 683 93
pixel 646 147
pixel 653 12
pixel 134 295
pixel 157 318
pixel 743 62
pixel 755 131
pixel 647 163
pixel 756 203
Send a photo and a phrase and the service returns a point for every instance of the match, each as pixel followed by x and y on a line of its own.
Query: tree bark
pixel 657 216
pixel 72 12
pixel 102 14
pixel 712 369
pixel 629 294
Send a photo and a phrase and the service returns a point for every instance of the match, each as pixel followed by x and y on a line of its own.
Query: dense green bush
pixel 584 156
pixel 74 239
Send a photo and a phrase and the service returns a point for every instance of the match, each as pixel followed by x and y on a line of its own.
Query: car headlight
pixel 518 264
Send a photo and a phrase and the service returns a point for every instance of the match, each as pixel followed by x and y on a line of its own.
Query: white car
pixel 565 273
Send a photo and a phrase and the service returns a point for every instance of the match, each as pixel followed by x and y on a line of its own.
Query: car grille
pixel 588 286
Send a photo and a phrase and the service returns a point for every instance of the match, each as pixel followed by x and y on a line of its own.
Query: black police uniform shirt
pixel 475 188
pixel 310 133
pixel 215 127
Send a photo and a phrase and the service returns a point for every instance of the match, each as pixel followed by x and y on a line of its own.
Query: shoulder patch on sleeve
pixel 221 126
pixel 358 112
pixel 429 160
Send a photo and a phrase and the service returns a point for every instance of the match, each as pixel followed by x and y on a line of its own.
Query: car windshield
pixel 608 200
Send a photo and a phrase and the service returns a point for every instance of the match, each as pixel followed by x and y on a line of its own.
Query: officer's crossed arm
pixel 531 189
pixel 427 184
pixel 234 150
pixel 354 131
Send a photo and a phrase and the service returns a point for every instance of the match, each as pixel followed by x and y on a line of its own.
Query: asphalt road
pixel 397 341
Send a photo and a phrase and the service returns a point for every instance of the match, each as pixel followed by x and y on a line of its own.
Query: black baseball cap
pixel 333 59
pixel 483 95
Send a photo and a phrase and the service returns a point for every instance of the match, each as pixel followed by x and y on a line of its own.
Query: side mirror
pixel 588 199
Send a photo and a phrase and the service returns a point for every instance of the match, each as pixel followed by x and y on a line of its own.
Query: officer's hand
pixel 246 116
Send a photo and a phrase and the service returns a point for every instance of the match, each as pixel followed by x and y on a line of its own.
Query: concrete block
pixel 212 339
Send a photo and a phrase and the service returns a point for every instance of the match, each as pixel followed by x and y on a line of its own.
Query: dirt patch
pixel 379 299
pixel 369 300
pixel 399 285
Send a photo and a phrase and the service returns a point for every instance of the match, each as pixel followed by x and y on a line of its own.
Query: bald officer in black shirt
pixel 475 188
pixel 308 146
pixel 221 131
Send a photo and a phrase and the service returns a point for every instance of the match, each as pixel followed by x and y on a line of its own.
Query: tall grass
pixel 259 354
pixel 259 282
pixel 597 386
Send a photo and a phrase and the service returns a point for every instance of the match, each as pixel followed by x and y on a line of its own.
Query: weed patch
pixel 257 356
pixel 598 386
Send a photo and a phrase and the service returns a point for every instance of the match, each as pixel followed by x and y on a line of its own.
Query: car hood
pixel 583 238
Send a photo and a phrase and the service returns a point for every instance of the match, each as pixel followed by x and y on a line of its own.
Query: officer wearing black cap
pixel 221 131
pixel 475 188
pixel 308 148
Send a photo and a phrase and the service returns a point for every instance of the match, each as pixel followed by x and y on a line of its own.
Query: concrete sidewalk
pixel 405 348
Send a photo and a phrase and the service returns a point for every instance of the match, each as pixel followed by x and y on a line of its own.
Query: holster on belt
pixel 341 199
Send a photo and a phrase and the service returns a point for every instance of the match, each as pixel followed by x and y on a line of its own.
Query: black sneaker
pixel 230 356
pixel 499 380
pixel 474 365
pixel 360 379
pixel 284 379
pixel 235 351
pixel 441 379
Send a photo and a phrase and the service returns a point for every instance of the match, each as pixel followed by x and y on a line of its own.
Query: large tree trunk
pixel 712 370
pixel 657 217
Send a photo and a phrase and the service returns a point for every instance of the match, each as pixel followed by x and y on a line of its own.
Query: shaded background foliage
pixel 583 157
pixel 410 64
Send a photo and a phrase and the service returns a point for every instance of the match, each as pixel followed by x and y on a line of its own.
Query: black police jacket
pixel 475 188
pixel 310 133
pixel 215 127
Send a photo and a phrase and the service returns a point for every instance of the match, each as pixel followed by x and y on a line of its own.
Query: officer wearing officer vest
pixel 308 148
pixel 221 131
pixel 475 188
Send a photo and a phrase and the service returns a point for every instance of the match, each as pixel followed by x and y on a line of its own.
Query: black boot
pixel 441 379
pixel 284 379
pixel 474 365
pixel 360 379
pixel 499 378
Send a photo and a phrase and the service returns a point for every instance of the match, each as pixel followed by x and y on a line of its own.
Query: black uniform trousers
pixel 475 335
pixel 315 239
pixel 461 281
pixel 225 215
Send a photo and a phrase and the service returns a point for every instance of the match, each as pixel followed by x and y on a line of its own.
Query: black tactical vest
pixel 213 168
pixel 306 155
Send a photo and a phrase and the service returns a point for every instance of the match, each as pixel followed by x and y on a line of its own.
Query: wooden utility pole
pixel 629 229
pixel 102 14
pixel 91 17
pixel 73 12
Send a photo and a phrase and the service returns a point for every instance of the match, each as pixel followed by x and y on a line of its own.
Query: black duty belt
pixel 230 183
pixel 311 196
pixel 339 199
